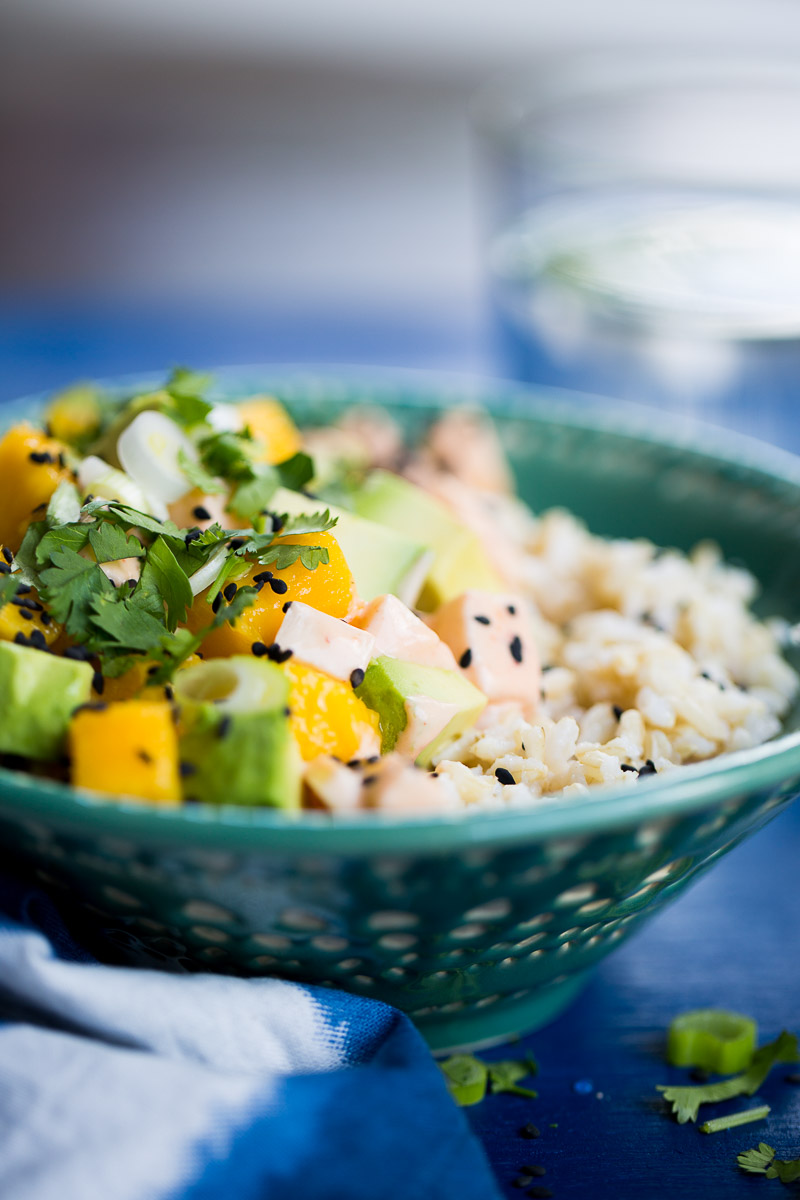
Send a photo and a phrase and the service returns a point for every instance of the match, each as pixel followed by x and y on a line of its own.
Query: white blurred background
pixel 264 153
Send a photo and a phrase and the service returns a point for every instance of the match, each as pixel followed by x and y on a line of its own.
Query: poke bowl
pixel 483 919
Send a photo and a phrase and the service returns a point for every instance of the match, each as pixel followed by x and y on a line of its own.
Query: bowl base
pixel 483 1029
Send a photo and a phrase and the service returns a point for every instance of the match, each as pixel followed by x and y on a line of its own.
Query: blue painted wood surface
pixel 732 940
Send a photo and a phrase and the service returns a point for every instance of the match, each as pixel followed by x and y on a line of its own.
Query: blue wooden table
pixel 733 940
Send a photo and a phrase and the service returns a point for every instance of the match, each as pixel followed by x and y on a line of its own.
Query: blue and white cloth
pixel 121 1084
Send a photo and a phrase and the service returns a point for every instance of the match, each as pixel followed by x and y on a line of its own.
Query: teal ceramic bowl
pixel 477 926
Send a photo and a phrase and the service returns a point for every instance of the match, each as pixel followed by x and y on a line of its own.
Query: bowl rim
pixel 230 827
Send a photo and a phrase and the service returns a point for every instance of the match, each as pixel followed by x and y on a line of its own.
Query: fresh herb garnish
pixel 686 1101
pixel 468 1077
pixel 186 404
pixel 762 1161
pixel 745 1117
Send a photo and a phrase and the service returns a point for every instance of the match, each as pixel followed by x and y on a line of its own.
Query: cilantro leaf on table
pixel 686 1101
pixel 504 1076
pixel 762 1161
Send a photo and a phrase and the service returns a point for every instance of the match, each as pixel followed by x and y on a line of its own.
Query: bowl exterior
pixel 473 944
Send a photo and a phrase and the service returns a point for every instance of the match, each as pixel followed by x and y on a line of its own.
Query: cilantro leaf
pixel 130 518
pixel 296 472
pixel 68 589
pixel 163 574
pixel 175 649
pixel 762 1161
pixel 318 522
pixel 8 588
pixel 186 404
pixel 686 1101
pixel 74 537
pixel 198 476
pixel 756 1161
pixel 185 382
pixel 108 541
pixel 284 554
pixel 226 454
pixel 253 495
pixel 466 1078
pixel 504 1076
pixel 122 624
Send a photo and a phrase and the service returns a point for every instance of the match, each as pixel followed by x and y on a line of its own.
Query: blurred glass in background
pixel 645 229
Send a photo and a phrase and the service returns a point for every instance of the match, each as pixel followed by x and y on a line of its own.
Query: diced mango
pixel 272 427
pixel 183 511
pixel 126 749
pixel 327 717
pixel 329 588
pixel 13 622
pixel 30 471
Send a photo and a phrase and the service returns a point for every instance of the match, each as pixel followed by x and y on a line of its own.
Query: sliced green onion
pixel 466 1078
pixel 713 1039
pixel 740 1118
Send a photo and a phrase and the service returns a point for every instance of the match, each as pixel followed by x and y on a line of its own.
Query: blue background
pixel 733 940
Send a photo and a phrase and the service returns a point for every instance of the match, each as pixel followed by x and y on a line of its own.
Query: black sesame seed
pixel 504 776
pixel 262 577
pixel 169 694
pixel 192 536
pixel 40 456
pixel 26 614
pixel 216 603
pixel 698 1075
pixel 466 659
pixel 357 677
pixel 62 461
pixel 236 543
pixel 131 583
pixel 39 508
pixel 626 767
pixel 37 639
pixel 224 727
pixel 618 711
pixel 537 1170
pixel 145 757
pixel 153 670
pixel 540 1192
pixel 259 649
pixel 200 513
pixel 185 769
pixel 522 1181
pixel 515 646
pixel 5 569
pixel 20 639
pixel 280 586
pixel 98 683
pixel 529 1131
pixel 354 764
pixel 792 1077
pixel 373 758
pixel 23 589
pixel 368 780
pixel 230 591
pixel 78 653
pixel 276 655
pixel 88 498
pixel 511 608
pixel 7 555
pixel 91 706
pixel 285 607
pixel 649 768
pixel 483 620
pixel 46 619
pixel 287 712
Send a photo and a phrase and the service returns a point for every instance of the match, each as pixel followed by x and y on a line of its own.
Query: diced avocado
pixel 74 415
pixel 459 562
pixel 381 559
pixel 38 694
pixel 235 741
pixel 420 708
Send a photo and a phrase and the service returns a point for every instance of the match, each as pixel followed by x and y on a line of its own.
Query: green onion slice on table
pixel 712 1038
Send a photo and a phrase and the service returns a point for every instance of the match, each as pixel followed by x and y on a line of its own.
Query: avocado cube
pixel 420 708
pixel 236 745
pixel 459 559
pixel 38 694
